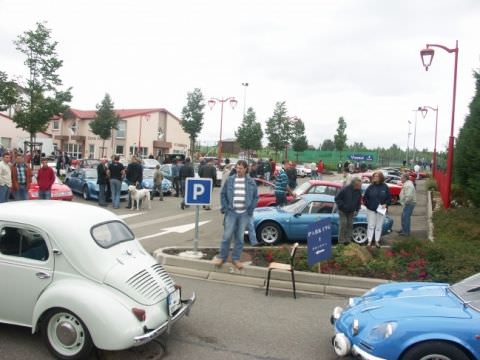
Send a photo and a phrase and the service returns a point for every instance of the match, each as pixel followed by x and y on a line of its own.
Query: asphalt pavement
pixel 227 322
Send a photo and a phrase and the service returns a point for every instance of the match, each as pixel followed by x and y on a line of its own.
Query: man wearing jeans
pixel 239 198
pixel 116 170
pixel 45 180
pixel 21 178
pixel 102 181
pixel 348 202
pixel 5 177
pixel 408 199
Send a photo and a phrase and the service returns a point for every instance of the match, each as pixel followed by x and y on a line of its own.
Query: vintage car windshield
pixel 148 173
pixel 296 206
pixel 91 174
pixel 468 290
pixel 302 189
pixel 111 233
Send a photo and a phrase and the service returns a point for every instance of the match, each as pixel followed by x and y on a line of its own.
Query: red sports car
pixel 60 191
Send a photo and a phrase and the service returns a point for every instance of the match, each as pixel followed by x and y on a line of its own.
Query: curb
pixel 429 216
pixel 255 276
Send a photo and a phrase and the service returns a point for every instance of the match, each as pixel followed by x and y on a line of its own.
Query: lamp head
pixel 211 103
pixel 427 57
pixel 233 103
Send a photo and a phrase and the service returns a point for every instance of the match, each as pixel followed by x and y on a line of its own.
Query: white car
pixel 150 163
pixel 303 170
pixel 77 274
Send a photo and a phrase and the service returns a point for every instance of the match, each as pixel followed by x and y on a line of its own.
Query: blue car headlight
pixel 383 331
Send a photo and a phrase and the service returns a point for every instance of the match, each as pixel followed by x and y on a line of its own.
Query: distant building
pixel 230 146
pixel 13 137
pixel 140 131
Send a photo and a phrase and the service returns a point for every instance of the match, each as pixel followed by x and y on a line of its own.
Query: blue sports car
pixel 290 222
pixel 147 182
pixel 84 182
pixel 411 321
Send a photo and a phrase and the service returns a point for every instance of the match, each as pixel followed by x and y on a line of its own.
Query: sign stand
pixel 198 191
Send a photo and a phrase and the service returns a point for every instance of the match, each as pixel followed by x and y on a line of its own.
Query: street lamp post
pixel 211 103
pixel 424 113
pixel 415 137
pixel 407 160
pixel 245 86
pixel 427 57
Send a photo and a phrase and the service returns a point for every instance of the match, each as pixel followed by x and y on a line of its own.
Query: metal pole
pixel 451 140
pixel 408 142
pixel 415 138
pixel 435 145
pixel 139 133
pixel 197 219
pixel 221 125
pixel 245 85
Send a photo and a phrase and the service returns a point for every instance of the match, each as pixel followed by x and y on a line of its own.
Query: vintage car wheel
pixel 66 335
pixel 85 193
pixel 435 350
pixel 270 233
pixel 359 234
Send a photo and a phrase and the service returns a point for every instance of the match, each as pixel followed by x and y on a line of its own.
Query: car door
pixel 73 181
pixel 26 269
pixel 314 211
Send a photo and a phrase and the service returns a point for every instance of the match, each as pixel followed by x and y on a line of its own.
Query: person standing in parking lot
pixel 5 177
pixel 186 171
pixel 267 169
pixel 348 201
pixel 134 176
pixel 291 171
pixel 21 178
pixel 376 199
pixel 208 171
pixel 176 177
pixel 102 181
pixel 157 183
pixel 282 188
pixel 320 170
pixel 45 180
pixel 116 171
pixel 408 198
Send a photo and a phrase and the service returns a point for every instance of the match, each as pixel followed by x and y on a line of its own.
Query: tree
pixel 249 134
pixel 43 98
pixel 299 139
pixel 358 146
pixel 340 138
pixel 327 145
pixel 467 166
pixel 105 120
pixel 278 128
pixel 8 92
pixel 192 116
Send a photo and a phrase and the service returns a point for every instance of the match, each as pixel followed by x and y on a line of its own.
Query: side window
pixel 322 207
pixel 307 208
pixel 320 189
pixel 331 190
pixel 24 243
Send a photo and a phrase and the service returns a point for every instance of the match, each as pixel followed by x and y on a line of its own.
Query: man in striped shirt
pixel 281 187
pixel 239 197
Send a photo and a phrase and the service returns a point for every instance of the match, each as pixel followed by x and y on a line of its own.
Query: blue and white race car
pixel 147 182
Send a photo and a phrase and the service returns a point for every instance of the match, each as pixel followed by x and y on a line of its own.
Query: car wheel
pixel 435 350
pixel 270 233
pixel 85 193
pixel 359 234
pixel 66 335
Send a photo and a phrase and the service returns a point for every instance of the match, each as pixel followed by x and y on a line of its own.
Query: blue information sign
pixel 360 157
pixel 319 241
pixel 198 191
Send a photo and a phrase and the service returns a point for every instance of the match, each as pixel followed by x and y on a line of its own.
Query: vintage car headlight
pixel 383 331
pixel 34 194
pixel 337 312
pixel 355 327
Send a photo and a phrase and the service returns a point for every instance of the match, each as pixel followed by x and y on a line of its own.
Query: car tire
pixel 435 350
pixel 85 193
pixel 269 233
pixel 65 335
pixel 359 234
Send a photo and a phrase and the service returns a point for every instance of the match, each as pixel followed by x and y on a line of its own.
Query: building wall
pixel 175 134
pixel 13 137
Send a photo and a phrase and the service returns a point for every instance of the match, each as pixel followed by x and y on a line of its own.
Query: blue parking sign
pixel 319 241
pixel 198 191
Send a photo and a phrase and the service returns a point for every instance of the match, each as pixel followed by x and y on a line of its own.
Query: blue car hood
pixel 407 300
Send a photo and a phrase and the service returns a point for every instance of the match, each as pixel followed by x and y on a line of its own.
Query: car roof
pixel 326 183
pixel 318 197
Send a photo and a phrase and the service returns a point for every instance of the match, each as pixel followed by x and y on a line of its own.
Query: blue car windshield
pixel 148 173
pixel 468 290
pixel 296 206
pixel 91 174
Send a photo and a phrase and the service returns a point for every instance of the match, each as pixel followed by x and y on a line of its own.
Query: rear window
pixel 111 233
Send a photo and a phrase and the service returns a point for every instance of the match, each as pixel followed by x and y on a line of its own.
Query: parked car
pixel 411 321
pixel 290 222
pixel 318 187
pixel 303 171
pixel 91 286
pixel 166 170
pixel 84 182
pixel 147 182
pixel 150 163
pixel 394 188
pixel 268 198
pixel 60 191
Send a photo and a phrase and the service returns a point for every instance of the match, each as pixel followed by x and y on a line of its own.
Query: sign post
pixel 198 191
pixel 319 241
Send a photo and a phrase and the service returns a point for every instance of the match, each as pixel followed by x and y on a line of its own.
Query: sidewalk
pixel 419 217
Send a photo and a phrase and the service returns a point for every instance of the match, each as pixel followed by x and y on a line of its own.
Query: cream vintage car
pixel 77 274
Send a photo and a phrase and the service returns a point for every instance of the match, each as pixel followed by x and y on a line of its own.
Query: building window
pixel 56 125
pixel 6 142
pixel 73 150
pixel 91 151
pixel 143 151
pixel 119 150
pixel 122 126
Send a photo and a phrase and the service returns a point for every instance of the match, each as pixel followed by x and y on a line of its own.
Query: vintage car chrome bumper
pixel 165 327
pixel 363 354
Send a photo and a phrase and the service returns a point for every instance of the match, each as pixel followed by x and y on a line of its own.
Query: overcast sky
pixel 358 58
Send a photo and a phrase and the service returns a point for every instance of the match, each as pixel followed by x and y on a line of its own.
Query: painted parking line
pixel 126 216
pixel 180 229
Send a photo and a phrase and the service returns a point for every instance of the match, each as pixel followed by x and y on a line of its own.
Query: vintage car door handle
pixel 42 275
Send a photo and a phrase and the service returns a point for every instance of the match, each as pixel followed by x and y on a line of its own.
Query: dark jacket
pixel 134 173
pixel 186 171
pixel 348 200
pixel 376 194
pixel 208 171
pixel 102 178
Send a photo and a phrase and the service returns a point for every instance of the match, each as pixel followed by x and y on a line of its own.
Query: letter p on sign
pixel 198 191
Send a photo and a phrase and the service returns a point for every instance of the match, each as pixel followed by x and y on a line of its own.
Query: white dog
pixel 137 195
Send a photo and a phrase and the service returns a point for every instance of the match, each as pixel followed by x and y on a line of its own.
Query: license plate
pixel 174 302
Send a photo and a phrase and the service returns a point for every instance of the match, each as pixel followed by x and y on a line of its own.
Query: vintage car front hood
pixel 410 300
pixel 139 276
